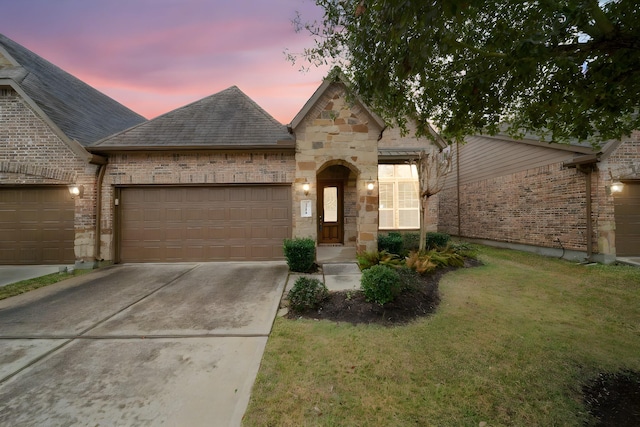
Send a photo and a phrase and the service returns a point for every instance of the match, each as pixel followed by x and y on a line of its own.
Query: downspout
pixel 587 171
pixel 96 248
pixel 458 187
pixel 589 221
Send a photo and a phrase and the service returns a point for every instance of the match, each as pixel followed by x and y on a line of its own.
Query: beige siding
pixel 483 158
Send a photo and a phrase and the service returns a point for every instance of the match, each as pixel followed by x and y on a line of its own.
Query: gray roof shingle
pixel 227 119
pixel 79 110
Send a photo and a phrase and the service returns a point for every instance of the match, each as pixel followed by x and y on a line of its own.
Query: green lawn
pixel 29 285
pixel 511 344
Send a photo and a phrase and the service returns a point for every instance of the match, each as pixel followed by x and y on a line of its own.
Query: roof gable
pixel 313 103
pixel 80 111
pixel 228 119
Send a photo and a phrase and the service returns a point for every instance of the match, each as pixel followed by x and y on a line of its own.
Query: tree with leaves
pixel 561 70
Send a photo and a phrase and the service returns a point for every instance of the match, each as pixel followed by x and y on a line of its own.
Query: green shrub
pixel 437 240
pixel 410 242
pixel 368 259
pixel 391 242
pixel 380 284
pixel 300 254
pixel 464 249
pixel 307 293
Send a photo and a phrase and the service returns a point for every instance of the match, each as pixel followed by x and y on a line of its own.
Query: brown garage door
pixel 627 210
pixel 173 224
pixel 36 225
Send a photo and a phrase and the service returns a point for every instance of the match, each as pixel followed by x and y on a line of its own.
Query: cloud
pixel 157 55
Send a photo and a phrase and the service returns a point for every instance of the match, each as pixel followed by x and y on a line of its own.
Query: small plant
pixel 300 254
pixel 410 242
pixel 437 240
pixel 420 262
pixel 446 257
pixel 464 249
pixel 391 242
pixel 307 293
pixel 380 284
pixel 369 259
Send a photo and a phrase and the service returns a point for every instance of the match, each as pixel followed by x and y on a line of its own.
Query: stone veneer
pixel 335 132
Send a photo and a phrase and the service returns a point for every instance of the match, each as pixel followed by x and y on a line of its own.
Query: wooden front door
pixel 330 210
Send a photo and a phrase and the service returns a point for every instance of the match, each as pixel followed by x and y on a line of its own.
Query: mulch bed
pixel 350 306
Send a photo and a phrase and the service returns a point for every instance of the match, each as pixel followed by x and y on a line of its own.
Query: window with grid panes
pixel 399 202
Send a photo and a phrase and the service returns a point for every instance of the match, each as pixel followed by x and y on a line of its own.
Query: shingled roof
pixel 226 120
pixel 81 112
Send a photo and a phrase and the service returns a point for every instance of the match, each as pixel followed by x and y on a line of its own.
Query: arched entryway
pixel 337 197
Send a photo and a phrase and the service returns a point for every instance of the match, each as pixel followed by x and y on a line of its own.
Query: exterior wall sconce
pixel 371 185
pixel 616 187
pixel 305 188
pixel 76 191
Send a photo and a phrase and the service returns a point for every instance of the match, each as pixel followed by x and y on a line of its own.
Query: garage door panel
pixel 212 223
pixel 37 225
pixel 627 213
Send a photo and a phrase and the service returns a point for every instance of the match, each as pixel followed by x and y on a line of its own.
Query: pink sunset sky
pixel 157 55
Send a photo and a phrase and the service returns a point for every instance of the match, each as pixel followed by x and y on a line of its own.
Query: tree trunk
pixel 424 220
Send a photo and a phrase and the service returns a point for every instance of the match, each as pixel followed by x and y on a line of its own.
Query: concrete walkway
pixel 338 269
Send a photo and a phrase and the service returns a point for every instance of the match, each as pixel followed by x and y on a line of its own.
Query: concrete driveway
pixel 138 344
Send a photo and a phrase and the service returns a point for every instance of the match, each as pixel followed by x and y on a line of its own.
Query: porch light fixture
pixel 76 191
pixel 616 187
pixel 371 185
pixel 305 188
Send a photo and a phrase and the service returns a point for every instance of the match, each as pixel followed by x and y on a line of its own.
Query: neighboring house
pixel 549 198
pixel 47 118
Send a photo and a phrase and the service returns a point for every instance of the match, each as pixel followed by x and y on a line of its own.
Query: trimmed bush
pixel 307 293
pixel 391 242
pixel 380 284
pixel 437 240
pixel 300 254
pixel 410 242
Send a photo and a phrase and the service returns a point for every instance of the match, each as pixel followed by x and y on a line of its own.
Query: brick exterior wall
pixel 543 206
pixel 31 153
pixel 188 168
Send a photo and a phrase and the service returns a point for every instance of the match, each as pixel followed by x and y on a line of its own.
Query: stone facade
pixel 187 168
pixel 32 153
pixel 335 132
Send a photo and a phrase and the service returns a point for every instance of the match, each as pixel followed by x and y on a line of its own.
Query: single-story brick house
pixel 555 199
pixel 219 179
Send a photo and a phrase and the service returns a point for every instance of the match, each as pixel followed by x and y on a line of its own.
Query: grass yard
pixel 18 288
pixel 512 343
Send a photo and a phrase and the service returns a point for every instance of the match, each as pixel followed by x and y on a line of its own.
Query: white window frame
pixel 395 181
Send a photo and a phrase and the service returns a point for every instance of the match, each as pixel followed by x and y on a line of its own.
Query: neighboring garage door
pixel 173 224
pixel 627 211
pixel 36 225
